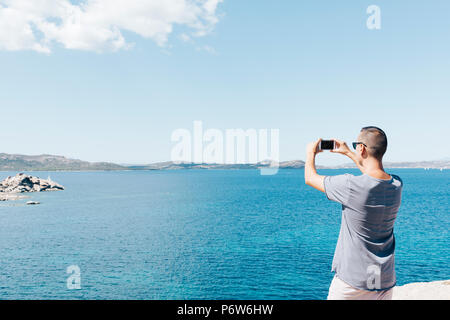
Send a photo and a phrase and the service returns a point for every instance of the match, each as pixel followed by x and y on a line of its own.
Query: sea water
pixel 202 234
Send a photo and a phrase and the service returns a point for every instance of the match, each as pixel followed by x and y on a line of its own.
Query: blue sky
pixel 309 68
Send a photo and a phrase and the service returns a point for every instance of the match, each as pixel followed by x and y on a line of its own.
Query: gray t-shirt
pixel 364 256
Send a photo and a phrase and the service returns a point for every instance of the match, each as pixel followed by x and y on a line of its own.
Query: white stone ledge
pixel 436 290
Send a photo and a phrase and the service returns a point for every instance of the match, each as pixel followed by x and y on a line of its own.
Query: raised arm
pixel 342 148
pixel 311 177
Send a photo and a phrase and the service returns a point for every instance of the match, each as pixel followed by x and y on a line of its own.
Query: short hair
pixel 376 141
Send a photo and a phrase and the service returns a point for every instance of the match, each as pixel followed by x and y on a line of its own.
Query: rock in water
pixel 25 183
pixel 33 202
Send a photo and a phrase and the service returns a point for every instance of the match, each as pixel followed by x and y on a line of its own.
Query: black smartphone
pixel 327 145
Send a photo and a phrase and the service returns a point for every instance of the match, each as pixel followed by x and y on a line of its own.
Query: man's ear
pixel 364 153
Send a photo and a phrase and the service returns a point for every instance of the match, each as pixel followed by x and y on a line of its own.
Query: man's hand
pixel 311 177
pixel 313 148
pixel 341 147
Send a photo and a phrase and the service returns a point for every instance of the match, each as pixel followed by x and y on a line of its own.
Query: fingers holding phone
pixel 314 147
pixel 340 147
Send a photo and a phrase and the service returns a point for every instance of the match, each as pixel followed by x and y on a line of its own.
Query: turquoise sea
pixel 195 234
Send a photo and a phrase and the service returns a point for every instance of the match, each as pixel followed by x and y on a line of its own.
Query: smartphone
pixel 327 145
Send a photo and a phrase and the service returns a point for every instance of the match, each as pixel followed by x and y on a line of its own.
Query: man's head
pixel 372 143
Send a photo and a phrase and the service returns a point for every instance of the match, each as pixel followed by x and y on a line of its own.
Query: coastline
pixel 9 196
pixel 45 162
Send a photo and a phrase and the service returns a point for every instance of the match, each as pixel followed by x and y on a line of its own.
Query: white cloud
pixel 98 25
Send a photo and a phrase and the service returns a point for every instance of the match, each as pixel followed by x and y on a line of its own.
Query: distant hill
pixel 45 162
pixel 441 164
pixel 170 165
pixel 438 164
pixel 294 164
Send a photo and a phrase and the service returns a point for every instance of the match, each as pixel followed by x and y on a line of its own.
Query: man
pixel 364 257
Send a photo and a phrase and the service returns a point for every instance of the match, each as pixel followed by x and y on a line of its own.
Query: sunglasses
pixel 355 144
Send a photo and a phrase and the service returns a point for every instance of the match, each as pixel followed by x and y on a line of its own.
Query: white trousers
pixel 339 290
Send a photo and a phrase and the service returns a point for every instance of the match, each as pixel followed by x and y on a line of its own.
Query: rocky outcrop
pixel 24 183
pixel 436 290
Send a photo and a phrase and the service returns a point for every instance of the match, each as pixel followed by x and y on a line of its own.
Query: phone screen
pixel 327 145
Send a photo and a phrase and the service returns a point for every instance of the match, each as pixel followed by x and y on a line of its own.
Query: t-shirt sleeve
pixel 337 188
